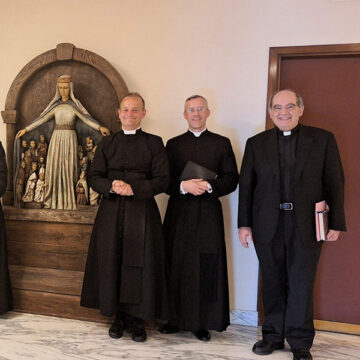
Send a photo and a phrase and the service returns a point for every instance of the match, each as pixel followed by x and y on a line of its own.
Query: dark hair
pixel 132 94
pixel 195 97
pixel 299 99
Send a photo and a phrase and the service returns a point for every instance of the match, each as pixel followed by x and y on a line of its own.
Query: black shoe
pixel 202 335
pixel 138 331
pixel 116 330
pixel 264 347
pixel 301 354
pixel 169 329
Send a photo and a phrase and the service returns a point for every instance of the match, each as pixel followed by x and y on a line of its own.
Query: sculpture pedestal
pixel 47 251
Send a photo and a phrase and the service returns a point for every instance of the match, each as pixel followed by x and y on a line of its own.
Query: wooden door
pixel 328 78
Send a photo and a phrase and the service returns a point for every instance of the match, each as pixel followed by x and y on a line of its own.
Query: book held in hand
pixel 193 170
pixel 321 220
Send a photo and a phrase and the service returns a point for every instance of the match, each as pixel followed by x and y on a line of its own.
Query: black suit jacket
pixel 318 176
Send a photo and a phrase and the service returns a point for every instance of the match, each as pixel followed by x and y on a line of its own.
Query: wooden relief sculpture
pixel 62 156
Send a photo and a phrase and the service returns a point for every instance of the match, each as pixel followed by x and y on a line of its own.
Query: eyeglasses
pixel 199 109
pixel 288 107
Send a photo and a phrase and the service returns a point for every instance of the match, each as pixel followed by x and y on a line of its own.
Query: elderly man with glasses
pixel 202 169
pixel 284 173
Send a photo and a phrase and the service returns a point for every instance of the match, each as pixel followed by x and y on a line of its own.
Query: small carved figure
pixel 82 190
pixel 84 164
pixel 41 162
pixel 90 148
pixel 28 160
pixel 94 197
pixel 80 152
pixel 30 188
pixel 20 181
pixel 24 147
pixel 32 149
pixel 34 167
pixel 41 149
pixel 40 187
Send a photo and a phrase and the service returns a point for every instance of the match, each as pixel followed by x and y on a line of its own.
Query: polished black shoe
pixel 116 330
pixel 169 329
pixel 301 354
pixel 138 332
pixel 265 347
pixel 202 335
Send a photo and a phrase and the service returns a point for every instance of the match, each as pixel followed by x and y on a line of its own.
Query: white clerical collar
pixel 131 132
pixel 197 133
pixel 287 133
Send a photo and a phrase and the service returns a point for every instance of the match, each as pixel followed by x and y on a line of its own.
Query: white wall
pixel 170 49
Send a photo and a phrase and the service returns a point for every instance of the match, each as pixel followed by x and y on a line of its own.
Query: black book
pixel 193 170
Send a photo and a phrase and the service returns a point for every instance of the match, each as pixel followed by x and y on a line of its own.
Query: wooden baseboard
pixel 59 305
pixel 337 327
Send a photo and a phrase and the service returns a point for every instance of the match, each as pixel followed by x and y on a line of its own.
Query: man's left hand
pixel 332 235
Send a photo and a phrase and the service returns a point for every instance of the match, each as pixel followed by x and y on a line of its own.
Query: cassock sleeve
pixel 3 171
pixel 334 186
pixel 227 178
pixel 159 181
pixel 247 182
pixel 98 173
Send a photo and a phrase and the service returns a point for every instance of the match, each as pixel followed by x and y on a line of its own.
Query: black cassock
pixel 125 269
pixel 5 288
pixel 194 232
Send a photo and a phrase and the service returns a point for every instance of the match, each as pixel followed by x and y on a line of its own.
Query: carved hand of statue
pixel 20 133
pixel 104 131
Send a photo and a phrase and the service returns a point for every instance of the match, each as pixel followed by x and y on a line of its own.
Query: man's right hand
pixel 121 188
pixel 245 233
pixel 195 186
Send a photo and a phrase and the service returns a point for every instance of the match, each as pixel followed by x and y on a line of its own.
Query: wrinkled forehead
pixel 132 101
pixel 284 98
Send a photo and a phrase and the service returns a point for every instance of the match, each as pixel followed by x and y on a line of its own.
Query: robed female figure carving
pixel 62 169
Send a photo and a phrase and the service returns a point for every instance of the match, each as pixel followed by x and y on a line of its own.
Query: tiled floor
pixel 27 336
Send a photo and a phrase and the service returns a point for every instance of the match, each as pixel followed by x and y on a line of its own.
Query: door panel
pixel 330 85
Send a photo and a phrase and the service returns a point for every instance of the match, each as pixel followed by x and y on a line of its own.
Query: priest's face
pixel 285 112
pixel 131 112
pixel 196 113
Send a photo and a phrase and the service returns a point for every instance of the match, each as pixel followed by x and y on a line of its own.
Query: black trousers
pixel 288 271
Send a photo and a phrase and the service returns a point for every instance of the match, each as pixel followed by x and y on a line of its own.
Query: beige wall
pixel 170 49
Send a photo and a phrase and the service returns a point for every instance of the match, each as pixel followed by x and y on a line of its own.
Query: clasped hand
pixel 122 188
pixel 195 186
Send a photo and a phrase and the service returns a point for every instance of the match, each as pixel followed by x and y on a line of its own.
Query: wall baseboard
pixel 244 317
pixel 339 327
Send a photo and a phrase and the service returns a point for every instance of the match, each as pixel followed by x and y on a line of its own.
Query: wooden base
pixel 334 326
pixel 51 304
pixel 47 251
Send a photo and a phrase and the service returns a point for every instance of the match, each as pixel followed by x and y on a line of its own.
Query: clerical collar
pixel 197 133
pixel 288 133
pixel 131 132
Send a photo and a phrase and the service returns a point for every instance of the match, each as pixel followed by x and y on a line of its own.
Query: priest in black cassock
pixel 5 288
pixel 194 228
pixel 125 271
pixel 285 171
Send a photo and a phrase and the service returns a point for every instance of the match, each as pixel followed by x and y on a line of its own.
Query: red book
pixel 321 220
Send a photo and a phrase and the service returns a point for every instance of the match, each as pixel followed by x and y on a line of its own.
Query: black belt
pixel 286 206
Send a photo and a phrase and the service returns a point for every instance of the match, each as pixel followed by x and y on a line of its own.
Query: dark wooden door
pixel 329 82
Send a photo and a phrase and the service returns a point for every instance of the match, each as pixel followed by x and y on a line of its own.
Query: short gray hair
pixel 196 97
